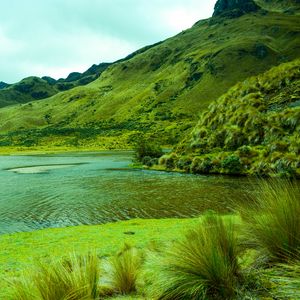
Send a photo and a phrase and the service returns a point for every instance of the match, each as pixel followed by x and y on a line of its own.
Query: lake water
pixel 42 191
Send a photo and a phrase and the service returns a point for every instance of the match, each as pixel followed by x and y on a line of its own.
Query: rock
pixel 129 232
pixel 234 8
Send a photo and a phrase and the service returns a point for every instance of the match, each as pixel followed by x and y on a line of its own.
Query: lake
pixel 42 191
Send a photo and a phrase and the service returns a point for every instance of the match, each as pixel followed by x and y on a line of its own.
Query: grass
pixel 124 269
pixel 72 278
pixel 202 265
pixel 20 251
pixel 271 221
pixel 284 280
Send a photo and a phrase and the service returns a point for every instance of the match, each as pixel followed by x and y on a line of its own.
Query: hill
pixel 3 85
pixel 254 128
pixel 35 88
pixel 160 90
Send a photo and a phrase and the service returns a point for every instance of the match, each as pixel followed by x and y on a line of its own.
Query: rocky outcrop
pixel 234 8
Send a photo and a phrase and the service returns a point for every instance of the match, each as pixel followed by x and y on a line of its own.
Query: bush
pixel 284 167
pixel 272 223
pixel 184 163
pixel 201 165
pixel 149 161
pixel 146 148
pixel 232 165
pixel 204 265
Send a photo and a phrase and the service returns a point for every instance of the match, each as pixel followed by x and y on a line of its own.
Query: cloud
pixel 56 37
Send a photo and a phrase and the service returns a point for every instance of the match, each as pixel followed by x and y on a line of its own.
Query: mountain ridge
pixel 159 91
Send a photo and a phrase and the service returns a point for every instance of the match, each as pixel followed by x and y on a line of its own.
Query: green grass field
pixel 20 251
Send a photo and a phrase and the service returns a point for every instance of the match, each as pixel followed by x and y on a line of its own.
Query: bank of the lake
pixel 20 251
pixel 52 150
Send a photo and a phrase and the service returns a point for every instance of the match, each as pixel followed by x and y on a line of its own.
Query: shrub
pixel 284 167
pixel 184 163
pixel 169 160
pixel 203 265
pixel 75 278
pixel 261 168
pixel 149 161
pixel 272 222
pixel 232 165
pixel 201 165
pixel 145 148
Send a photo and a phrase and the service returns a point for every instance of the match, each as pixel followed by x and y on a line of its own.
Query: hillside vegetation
pixel 254 128
pixel 160 90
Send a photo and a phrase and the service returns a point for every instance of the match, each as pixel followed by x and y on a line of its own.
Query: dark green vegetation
pixel 159 90
pixel 252 129
pixel 147 152
pixel 254 256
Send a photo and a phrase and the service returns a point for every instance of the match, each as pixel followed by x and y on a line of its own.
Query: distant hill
pixel 160 90
pixel 3 85
pixel 35 88
pixel 254 128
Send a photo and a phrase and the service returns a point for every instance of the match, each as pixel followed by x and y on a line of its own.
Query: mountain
pixel 160 90
pixel 35 88
pixel 28 89
pixel 254 128
pixel 3 85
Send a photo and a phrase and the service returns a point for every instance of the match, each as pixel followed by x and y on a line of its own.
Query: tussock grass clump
pixel 271 220
pixel 203 265
pixel 75 278
pixel 124 269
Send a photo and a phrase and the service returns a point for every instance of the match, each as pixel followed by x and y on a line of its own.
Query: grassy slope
pixel 161 91
pixel 253 128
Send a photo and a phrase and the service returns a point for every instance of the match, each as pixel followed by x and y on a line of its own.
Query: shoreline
pixel 21 250
pixel 58 150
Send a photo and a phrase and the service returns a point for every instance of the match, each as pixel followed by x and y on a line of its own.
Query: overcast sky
pixel 56 37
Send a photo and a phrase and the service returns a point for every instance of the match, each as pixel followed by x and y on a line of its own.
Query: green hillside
pixel 28 89
pixel 35 88
pixel 160 90
pixel 254 128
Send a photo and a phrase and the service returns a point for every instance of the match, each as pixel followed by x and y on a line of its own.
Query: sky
pixel 57 37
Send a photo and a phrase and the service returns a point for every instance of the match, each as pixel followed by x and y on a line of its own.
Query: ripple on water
pixel 94 189
pixel 38 169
